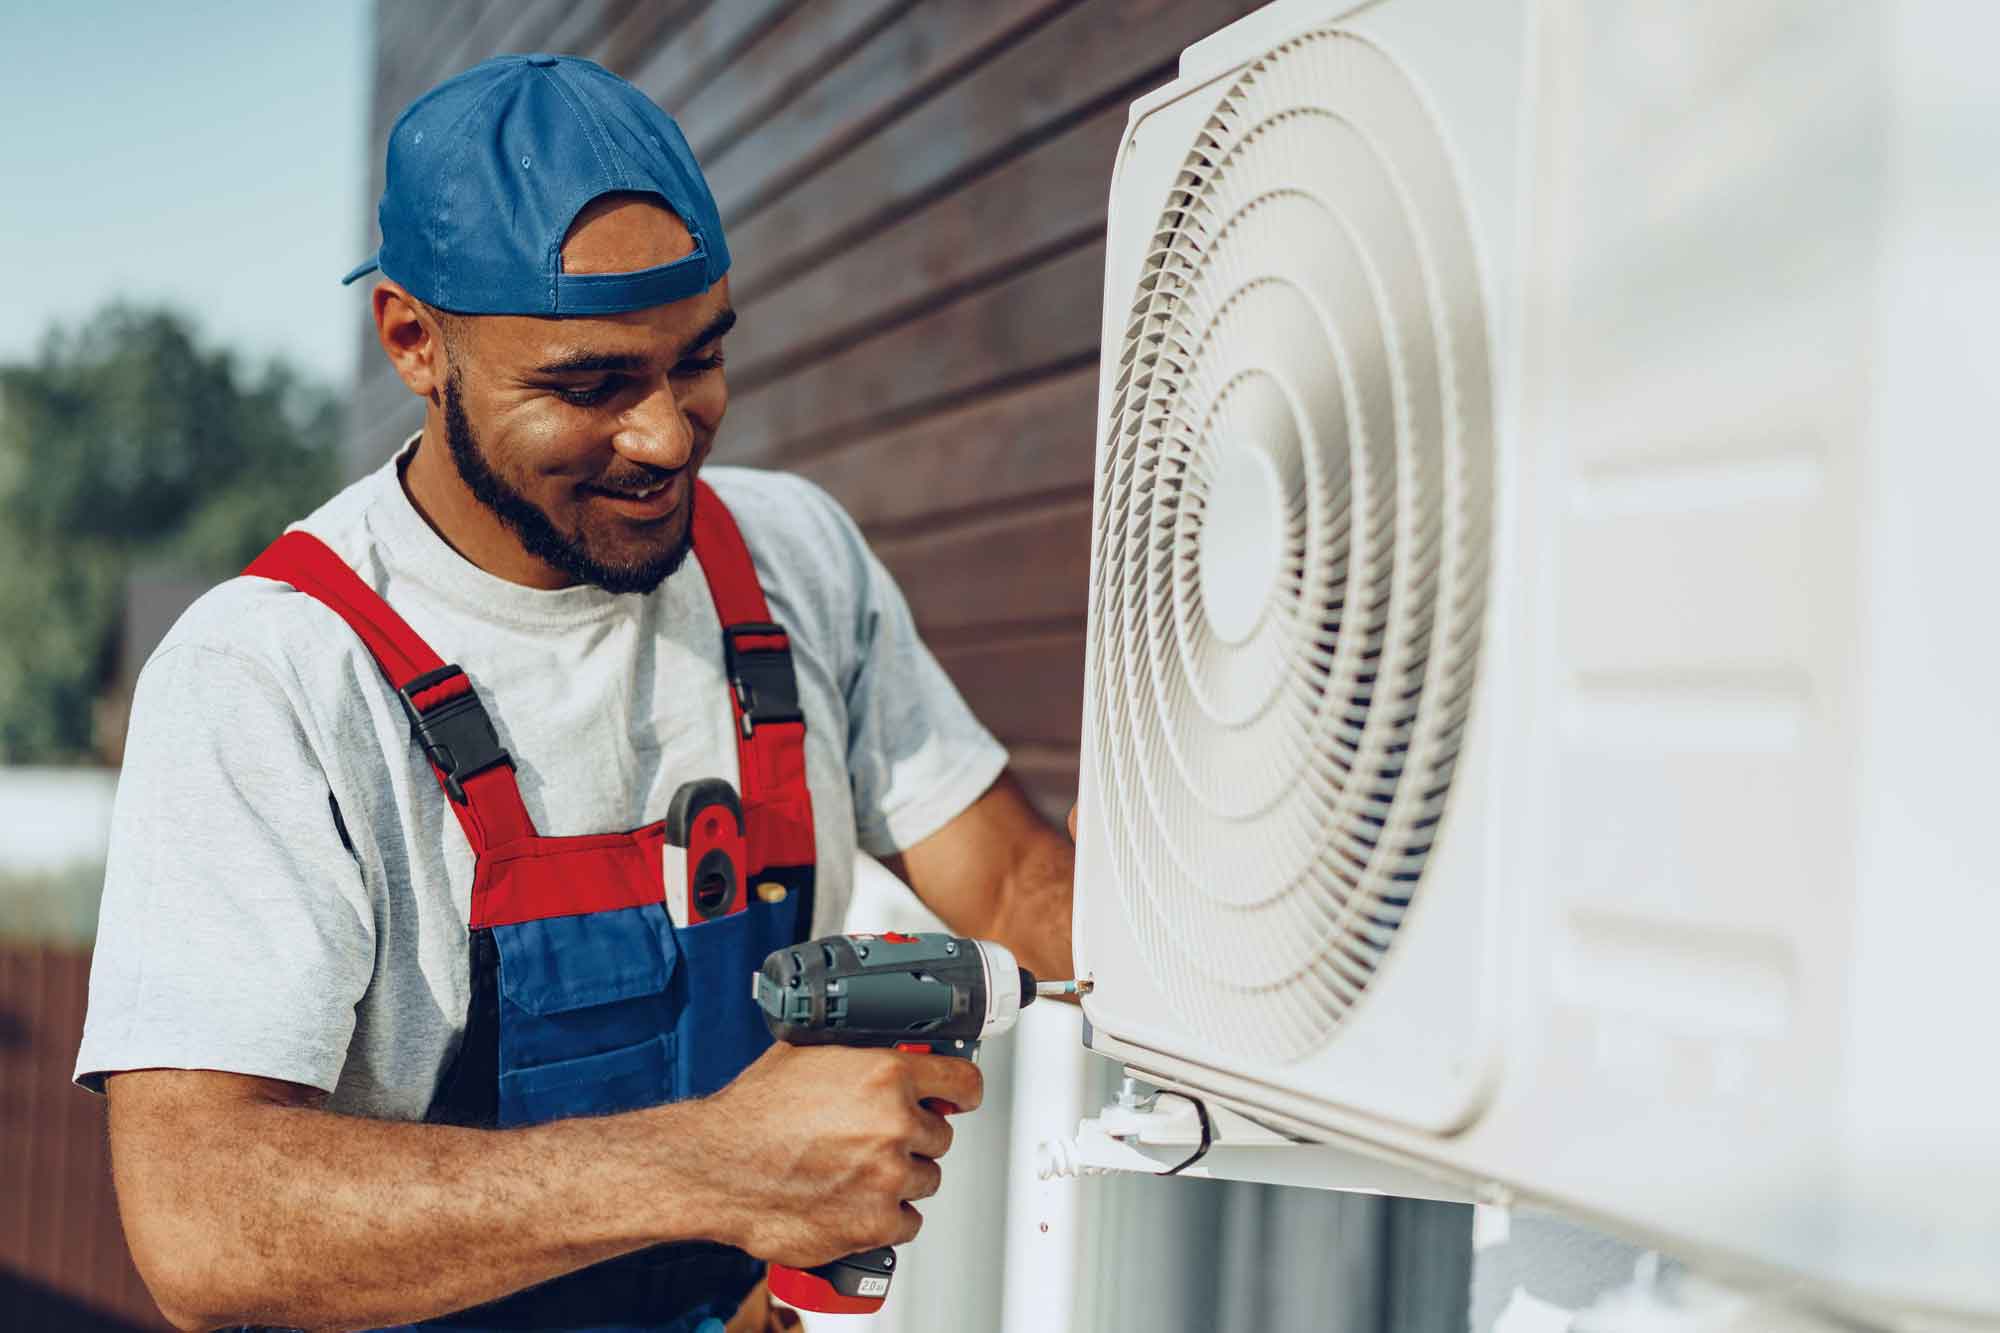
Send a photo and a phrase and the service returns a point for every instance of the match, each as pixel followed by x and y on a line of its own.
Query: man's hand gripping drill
pixel 870 1144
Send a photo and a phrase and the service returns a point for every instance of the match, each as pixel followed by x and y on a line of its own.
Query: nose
pixel 656 431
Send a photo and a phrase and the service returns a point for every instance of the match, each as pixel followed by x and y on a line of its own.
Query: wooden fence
pixel 63 1262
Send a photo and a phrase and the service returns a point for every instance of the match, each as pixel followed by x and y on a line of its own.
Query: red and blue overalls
pixel 587 999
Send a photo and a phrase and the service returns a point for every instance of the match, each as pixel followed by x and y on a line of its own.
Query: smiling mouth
pixel 645 494
pixel 645 504
pixel 629 492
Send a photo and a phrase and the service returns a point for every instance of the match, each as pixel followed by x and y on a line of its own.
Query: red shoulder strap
pixel 763 696
pixel 450 723
pixel 446 717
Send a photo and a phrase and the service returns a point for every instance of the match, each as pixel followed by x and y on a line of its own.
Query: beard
pixel 533 528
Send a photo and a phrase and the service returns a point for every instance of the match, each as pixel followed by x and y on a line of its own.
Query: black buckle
pixel 766 688
pixel 456 734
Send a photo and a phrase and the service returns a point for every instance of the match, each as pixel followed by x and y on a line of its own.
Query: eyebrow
pixel 578 363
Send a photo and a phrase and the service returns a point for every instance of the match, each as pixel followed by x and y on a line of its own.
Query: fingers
pixel 913 1222
pixel 934 1135
pixel 925 1178
pixel 1072 823
pixel 948 1078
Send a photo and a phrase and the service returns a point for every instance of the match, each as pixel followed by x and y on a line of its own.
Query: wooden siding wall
pixel 58 1223
pixel 914 192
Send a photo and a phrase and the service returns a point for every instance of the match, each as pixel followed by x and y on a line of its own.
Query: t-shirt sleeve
pixel 916 756
pixel 235 932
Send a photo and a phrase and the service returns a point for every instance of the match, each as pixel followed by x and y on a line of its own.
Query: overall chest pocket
pixel 588 1014
pixel 720 1030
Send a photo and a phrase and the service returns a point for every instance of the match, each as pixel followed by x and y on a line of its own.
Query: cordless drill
pixel 932 992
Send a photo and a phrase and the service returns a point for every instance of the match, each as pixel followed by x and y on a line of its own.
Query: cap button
pixel 541 62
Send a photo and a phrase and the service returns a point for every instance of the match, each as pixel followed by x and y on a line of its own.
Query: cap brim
pixel 368 266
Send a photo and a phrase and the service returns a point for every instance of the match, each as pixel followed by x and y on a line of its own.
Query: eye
pixel 700 365
pixel 593 394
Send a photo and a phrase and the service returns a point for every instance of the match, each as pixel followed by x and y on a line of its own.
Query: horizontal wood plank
pixel 380 390
pixel 496 30
pixel 374 378
pixel 706 47
pixel 58 1220
pixel 809 43
pixel 1026 691
pixel 906 64
pixel 398 28
pixel 1033 323
pixel 1048 775
pixel 1094 57
pixel 1039 204
pixel 534 22
pixel 370 437
pixel 420 61
pixel 643 30
pixel 995 452
pixel 584 26
pixel 1027 569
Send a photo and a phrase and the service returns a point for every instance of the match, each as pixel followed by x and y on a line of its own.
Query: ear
pixel 411 340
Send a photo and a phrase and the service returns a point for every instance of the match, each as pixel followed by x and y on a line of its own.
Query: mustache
pixel 632 483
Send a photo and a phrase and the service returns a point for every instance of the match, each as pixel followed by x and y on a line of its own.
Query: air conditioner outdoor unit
pixel 1541 718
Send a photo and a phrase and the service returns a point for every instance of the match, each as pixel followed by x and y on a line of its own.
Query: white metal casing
pixel 1703 951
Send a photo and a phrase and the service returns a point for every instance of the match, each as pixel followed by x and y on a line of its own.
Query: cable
pixel 1207 1137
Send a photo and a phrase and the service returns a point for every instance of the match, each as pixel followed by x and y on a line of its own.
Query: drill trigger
pixel 937 1104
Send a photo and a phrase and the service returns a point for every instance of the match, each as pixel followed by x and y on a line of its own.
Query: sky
pixel 206 153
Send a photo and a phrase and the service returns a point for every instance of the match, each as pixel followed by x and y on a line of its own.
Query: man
pixel 395 1027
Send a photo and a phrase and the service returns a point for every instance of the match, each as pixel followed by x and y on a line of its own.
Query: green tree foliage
pixel 127 445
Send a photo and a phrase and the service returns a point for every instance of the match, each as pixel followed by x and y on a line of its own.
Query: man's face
pixel 584 435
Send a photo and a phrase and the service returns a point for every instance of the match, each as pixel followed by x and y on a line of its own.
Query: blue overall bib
pixel 587 999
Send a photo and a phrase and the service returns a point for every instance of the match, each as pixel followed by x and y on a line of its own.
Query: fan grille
pixel 1291 546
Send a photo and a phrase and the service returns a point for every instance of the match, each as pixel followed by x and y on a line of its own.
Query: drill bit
pixel 1082 987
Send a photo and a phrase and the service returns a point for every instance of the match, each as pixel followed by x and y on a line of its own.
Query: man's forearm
pixel 1032 917
pixel 281 1214
pixel 998 871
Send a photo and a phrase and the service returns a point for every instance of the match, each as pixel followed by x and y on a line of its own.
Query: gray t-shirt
pixel 240 933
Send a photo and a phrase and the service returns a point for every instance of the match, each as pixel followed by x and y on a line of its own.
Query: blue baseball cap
pixel 488 170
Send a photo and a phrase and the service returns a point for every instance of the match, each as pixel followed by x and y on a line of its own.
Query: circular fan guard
pixel 1291 546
